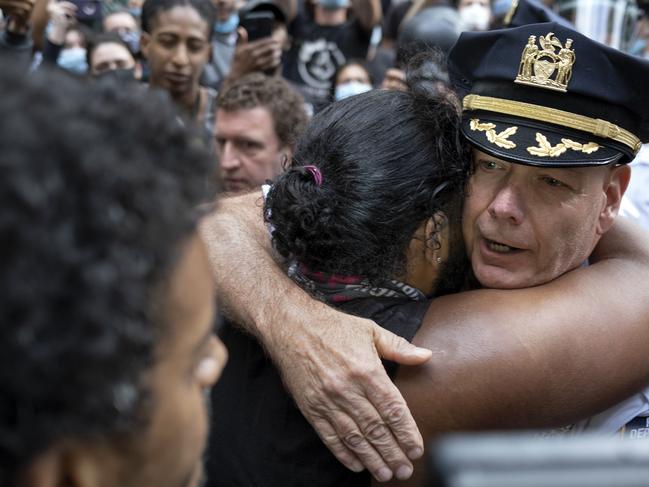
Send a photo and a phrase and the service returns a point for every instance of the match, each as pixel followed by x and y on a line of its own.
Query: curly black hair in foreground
pixel 98 191
pixel 381 155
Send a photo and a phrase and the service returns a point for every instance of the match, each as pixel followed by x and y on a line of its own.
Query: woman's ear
pixel 436 232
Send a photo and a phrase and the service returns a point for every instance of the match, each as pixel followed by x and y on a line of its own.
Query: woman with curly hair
pixel 365 223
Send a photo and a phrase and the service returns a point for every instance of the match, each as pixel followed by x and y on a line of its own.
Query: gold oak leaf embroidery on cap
pixel 500 139
pixel 585 148
pixel 545 149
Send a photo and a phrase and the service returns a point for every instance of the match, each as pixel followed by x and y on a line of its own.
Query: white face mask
pixel 351 88
pixel 73 59
pixel 475 17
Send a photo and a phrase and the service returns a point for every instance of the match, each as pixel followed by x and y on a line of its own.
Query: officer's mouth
pixel 499 247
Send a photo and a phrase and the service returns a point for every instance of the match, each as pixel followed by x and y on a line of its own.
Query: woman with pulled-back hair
pixel 369 205
pixel 364 215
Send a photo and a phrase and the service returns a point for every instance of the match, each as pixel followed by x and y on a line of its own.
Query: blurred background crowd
pixel 250 73
pixel 324 50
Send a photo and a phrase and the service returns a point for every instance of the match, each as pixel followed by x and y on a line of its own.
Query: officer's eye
pixel 488 165
pixel 550 181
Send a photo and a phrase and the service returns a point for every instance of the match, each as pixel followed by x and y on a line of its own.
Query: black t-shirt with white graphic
pixel 317 52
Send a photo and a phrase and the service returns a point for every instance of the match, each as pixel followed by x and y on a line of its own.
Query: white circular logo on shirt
pixel 318 61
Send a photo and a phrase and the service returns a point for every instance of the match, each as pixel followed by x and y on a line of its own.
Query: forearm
pixel 241 259
pixel 39 20
pixel 368 12
pixel 538 357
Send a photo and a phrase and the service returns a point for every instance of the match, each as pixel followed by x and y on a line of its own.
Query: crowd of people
pixel 289 242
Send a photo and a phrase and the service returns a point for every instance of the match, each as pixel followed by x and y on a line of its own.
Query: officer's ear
pixel 614 187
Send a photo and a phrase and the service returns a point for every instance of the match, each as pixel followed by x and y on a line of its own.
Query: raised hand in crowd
pixel 18 13
pixel 260 55
pixel 61 18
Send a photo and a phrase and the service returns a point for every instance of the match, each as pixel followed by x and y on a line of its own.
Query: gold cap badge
pixel 546 67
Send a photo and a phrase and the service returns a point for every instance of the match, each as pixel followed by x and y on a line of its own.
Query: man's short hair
pixel 284 103
pixel 98 189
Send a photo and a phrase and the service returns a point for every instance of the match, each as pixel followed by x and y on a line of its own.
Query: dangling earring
pixel 438 260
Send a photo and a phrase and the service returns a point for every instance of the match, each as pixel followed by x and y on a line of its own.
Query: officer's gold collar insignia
pixel 549 67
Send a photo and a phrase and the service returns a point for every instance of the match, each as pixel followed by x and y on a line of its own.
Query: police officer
pixel 553 117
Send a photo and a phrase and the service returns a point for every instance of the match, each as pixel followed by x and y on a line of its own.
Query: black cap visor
pixel 526 141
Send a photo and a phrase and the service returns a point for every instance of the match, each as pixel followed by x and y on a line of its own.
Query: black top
pixel 259 437
pixel 318 51
pixel 393 19
pixel 16 48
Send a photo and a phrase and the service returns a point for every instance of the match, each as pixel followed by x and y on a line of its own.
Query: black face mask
pixel 117 75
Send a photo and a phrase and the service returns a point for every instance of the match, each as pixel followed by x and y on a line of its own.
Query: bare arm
pixel 368 12
pixel 539 357
pixel 329 360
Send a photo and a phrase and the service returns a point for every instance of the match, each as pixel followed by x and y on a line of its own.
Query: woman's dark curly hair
pixel 98 190
pixel 382 154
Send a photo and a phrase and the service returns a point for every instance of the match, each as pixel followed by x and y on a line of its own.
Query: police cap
pixel 545 95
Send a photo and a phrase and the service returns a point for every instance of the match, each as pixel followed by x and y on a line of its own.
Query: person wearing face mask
pixel 252 53
pixel 73 57
pixel 640 47
pixel 135 8
pixel 63 44
pixel 110 57
pixel 352 78
pixel 325 41
pixel 475 14
pixel 124 24
pixel 224 42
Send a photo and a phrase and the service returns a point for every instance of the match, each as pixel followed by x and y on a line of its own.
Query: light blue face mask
pixel 135 12
pixel 333 4
pixel 351 88
pixel 132 40
pixel 227 26
pixel 638 48
pixel 73 59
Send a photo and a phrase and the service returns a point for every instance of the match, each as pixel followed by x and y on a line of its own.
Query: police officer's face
pixel 525 225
